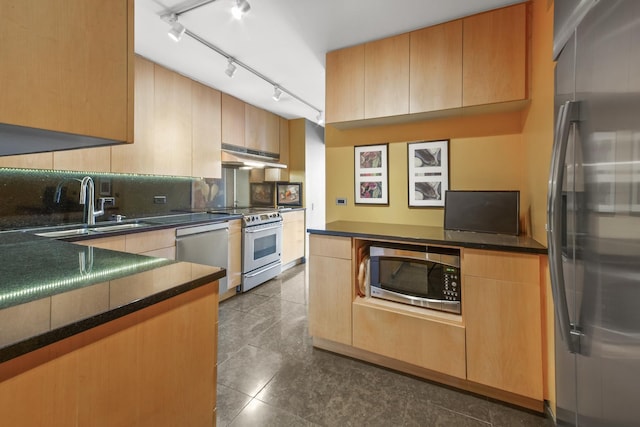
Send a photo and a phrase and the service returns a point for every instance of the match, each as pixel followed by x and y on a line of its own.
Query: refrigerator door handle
pixel 568 114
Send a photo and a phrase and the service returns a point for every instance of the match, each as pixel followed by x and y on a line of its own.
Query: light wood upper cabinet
pixel 137 157
pixel 495 56
pixel 344 97
pixel 232 121
pixel 502 311
pixel 284 141
pixel 386 77
pixel 262 130
pixel 435 79
pixel 206 131
pixel 68 66
pixel 172 105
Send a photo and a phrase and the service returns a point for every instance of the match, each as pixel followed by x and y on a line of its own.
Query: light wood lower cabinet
pixel 502 311
pixel 409 337
pixel 160 243
pixel 154 367
pixel 330 288
pixel 293 236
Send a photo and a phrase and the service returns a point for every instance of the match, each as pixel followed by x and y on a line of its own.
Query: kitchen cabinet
pixel 344 95
pixel 262 130
pixel 28 161
pixel 386 77
pixel 206 131
pixel 232 121
pixel 67 66
pixel 293 236
pixel 89 159
pixel 495 56
pixel 158 243
pixel 430 342
pixel 234 269
pixel 435 76
pixel 330 288
pixel 502 311
pixel 284 143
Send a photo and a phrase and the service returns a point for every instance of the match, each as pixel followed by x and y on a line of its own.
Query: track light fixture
pixel 277 93
pixel 231 68
pixel 177 29
pixel 320 118
pixel 240 9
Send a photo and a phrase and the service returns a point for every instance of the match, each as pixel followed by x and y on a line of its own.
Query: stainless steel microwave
pixel 424 276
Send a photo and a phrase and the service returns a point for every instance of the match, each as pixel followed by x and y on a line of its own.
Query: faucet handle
pixel 118 218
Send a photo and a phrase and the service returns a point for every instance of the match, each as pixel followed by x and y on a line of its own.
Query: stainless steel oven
pixel 261 248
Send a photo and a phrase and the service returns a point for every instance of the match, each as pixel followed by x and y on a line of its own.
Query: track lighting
pixel 277 93
pixel 240 9
pixel 319 118
pixel 177 29
pixel 231 68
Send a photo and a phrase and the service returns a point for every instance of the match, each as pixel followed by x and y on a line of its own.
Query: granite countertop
pixel 51 289
pixel 431 235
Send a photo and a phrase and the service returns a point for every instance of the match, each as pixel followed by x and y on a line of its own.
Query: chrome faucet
pixel 87 198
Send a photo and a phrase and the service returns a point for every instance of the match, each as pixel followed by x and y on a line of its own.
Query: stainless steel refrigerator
pixel 594 212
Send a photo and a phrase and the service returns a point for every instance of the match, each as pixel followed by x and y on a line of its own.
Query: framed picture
pixel 428 172
pixel 372 174
pixel 289 193
pixel 261 194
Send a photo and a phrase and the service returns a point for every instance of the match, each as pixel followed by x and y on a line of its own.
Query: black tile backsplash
pixel 33 198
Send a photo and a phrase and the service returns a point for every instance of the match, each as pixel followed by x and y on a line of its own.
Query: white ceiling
pixel 285 40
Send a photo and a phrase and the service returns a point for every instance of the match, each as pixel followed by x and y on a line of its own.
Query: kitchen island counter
pixel 51 290
pixel 431 235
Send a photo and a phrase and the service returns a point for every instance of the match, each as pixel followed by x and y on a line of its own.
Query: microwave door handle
pixel 567 114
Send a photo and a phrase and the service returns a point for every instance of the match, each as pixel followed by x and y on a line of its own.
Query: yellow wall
pixel 537 138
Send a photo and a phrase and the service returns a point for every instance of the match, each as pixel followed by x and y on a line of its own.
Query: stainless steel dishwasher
pixel 205 244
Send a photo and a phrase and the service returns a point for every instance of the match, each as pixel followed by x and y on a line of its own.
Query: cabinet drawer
pixel 116 243
pixel 496 265
pixel 423 342
pixel 330 246
pixel 150 241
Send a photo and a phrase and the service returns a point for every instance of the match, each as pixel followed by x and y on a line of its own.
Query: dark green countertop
pixel 51 289
pixel 431 235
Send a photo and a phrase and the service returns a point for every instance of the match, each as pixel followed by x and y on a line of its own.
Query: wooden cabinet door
pixel 293 236
pixel 344 96
pixel 502 312
pixel 330 288
pixel 284 141
pixel 435 78
pixel 495 56
pixel 138 157
pixel 234 269
pixel 232 121
pixel 67 66
pixel 386 77
pixel 206 131
pixel 172 105
pixel 262 130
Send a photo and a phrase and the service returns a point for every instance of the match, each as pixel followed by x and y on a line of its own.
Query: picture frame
pixel 371 183
pixel 428 173
pixel 261 194
pixel 289 193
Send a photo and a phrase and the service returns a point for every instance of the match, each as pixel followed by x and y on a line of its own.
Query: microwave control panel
pixel 451 284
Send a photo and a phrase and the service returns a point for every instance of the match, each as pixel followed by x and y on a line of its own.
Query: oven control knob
pixel 454 284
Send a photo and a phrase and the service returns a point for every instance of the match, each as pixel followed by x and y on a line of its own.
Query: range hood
pixel 237 157
pixel 24 140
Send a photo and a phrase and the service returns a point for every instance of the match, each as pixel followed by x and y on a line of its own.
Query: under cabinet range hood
pixel 16 139
pixel 234 158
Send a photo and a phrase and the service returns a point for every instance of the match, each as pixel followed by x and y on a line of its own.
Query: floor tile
pixel 229 403
pixel 506 416
pixel 249 370
pixel 259 414
pixel 435 416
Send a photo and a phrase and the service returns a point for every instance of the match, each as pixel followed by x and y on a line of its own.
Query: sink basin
pixel 65 233
pixel 117 227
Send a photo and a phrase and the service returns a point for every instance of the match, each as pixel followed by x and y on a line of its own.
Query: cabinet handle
pixel 567 114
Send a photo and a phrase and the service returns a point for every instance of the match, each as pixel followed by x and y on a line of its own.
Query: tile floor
pixel 270 375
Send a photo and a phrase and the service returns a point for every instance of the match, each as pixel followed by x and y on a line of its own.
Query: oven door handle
pixel 254 274
pixel 251 230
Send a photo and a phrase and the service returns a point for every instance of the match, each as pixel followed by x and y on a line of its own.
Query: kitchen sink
pixel 117 227
pixel 65 233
